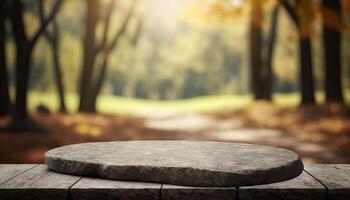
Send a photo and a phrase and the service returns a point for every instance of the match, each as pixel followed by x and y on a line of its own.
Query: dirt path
pixel 208 127
pixel 317 134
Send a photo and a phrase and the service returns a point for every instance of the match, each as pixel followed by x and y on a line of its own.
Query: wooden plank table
pixel 303 187
pixel 336 179
pixel 37 183
pixel 25 182
pixel 93 188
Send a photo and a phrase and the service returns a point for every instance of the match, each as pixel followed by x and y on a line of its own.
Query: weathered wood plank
pixel 303 187
pixel 335 177
pixel 172 192
pixel 96 189
pixel 38 183
pixel 8 171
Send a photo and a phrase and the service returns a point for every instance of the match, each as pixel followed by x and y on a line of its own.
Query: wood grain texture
pixel 8 171
pixel 335 177
pixel 303 187
pixel 38 183
pixel 172 192
pixel 26 182
pixel 95 189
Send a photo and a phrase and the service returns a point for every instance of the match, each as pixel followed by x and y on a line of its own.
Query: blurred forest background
pixel 273 72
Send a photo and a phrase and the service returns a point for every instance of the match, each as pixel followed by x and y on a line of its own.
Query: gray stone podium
pixel 186 163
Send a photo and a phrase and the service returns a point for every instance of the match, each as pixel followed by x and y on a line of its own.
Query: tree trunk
pixel 24 48
pixel 98 84
pixel 22 64
pixel 306 64
pixel 305 53
pixel 95 83
pixel 22 80
pixel 58 74
pixel 52 37
pixel 89 54
pixel 20 120
pixel 256 48
pixel 268 75
pixel 5 103
pixel 332 51
pixel 306 71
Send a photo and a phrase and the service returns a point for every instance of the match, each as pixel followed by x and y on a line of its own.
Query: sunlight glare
pixel 236 3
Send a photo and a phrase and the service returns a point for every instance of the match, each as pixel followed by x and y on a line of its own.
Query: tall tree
pixel 90 51
pixel 24 49
pixel 53 39
pixel 260 60
pixel 255 48
pixel 269 53
pixel 332 50
pixel 300 12
pixel 89 85
pixel 5 103
pixel 98 82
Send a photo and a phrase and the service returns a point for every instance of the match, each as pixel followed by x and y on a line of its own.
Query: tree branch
pixel 139 28
pixel 123 27
pixel 106 26
pixel 46 21
pixel 42 19
pixel 290 10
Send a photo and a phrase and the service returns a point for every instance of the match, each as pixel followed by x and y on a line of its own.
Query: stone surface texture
pixel 335 177
pixel 302 187
pixel 187 163
pixel 174 192
pixel 38 183
pixel 96 189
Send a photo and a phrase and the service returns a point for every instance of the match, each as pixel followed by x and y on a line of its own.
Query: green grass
pixel 125 105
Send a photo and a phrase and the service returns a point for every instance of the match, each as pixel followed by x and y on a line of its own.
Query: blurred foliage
pixel 186 49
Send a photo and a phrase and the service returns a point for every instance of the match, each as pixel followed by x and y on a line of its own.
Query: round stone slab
pixel 188 163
